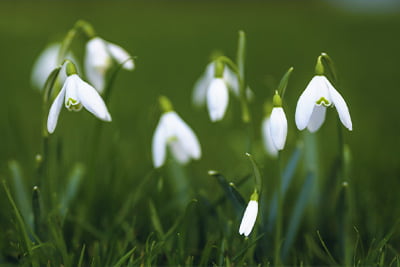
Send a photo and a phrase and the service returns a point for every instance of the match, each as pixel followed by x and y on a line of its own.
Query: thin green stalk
pixel 241 57
pixel 278 231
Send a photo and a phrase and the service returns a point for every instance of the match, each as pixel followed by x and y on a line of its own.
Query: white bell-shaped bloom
pixel 45 64
pixel 76 93
pixel 249 218
pixel 269 145
pixel 173 132
pixel 278 127
pixel 311 106
pixel 217 99
pixel 199 96
pixel 98 60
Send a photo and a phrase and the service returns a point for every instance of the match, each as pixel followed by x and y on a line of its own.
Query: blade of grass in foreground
pixel 297 215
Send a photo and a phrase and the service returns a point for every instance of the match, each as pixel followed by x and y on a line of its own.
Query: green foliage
pixel 88 194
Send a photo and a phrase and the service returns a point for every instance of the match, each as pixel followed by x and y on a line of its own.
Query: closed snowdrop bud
pixel 318 95
pixel 249 216
pixel 99 58
pixel 217 99
pixel 278 123
pixel 174 133
pixel 76 94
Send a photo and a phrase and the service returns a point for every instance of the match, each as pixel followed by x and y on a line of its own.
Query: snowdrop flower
pixel 311 106
pixel 99 58
pixel 76 94
pixel 278 121
pixel 45 64
pixel 199 96
pixel 217 99
pixel 249 216
pixel 174 133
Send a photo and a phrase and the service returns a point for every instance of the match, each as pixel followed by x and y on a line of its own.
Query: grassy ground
pixel 124 212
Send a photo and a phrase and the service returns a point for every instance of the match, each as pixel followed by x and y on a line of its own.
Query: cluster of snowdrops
pixel 222 76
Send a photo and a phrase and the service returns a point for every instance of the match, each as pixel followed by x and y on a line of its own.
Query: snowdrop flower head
pixel 173 133
pixel 76 94
pixel 45 64
pixel 311 106
pixel 278 123
pixel 99 58
pixel 249 216
pixel 217 99
pixel 318 95
pixel 269 145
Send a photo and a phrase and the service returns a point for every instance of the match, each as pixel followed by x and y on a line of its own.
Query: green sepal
pixel 319 67
pixel 70 68
pixel 219 69
pixel 165 104
pixel 277 100
pixel 254 196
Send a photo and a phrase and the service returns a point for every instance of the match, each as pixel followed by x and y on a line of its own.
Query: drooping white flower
pixel 98 60
pixel 76 94
pixel 269 145
pixel 249 218
pixel 278 127
pixel 199 96
pixel 217 99
pixel 45 64
pixel 311 106
pixel 174 133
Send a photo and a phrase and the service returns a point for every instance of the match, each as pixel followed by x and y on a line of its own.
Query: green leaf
pixel 257 173
pixel 287 177
pixel 20 191
pixel 284 82
pixel 231 193
pixel 297 214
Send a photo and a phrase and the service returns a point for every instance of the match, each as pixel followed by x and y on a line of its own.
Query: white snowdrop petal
pixel 186 136
pixel 341 108
pixel 199 94
pixel 91 99
pixel 269 145
pixel 121 56
pixel 306 103
pixel 231 80
pixel 55 110
pixel 249 218
pixel 217 99
pixel 159 146
pixel 317 118
pixel 44 65
pixel 278 127
pixel 179 152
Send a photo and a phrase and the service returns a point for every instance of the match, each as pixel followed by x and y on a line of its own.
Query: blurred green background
pixel 172 42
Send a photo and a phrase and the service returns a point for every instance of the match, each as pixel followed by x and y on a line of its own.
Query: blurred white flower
pixel 249 218
pixel 45 64
pixel 278 127
pixel 99 57
pixel 199 96
pixel 76 93
pixel 311 106
pixel 269 145
pixel 173 132
pixel 217 99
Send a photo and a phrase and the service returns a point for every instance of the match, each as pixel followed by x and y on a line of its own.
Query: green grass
pixel 103 204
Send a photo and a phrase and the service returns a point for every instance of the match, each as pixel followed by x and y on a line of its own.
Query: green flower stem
pixel 241 56
pixel 80 26
pixel 278 230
